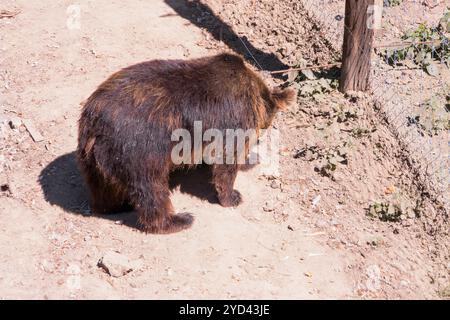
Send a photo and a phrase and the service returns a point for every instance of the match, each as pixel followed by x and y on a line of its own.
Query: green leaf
pixel 292 75
pixel 307 89
pixel 343 151
pixel 333 161
pixel 432 69
pixel 444 23
pixel 420 56
pixel 309 74
pixel 324 83
pixel 339 159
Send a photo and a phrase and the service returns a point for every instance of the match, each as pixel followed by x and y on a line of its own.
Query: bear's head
pixel 277 100
pixel 233 77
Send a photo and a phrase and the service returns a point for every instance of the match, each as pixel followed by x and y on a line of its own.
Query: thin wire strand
pixel 408 43
pixel 307 68
pixel 338 63
pixel 248 50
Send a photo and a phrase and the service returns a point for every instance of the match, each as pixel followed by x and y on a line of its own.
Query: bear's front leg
pixel 223 177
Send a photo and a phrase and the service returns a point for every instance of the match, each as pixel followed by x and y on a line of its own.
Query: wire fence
pixel 428 155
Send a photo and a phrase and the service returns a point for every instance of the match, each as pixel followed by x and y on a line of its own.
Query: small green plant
pixel 308 153
pixel 329 164
pixel 432 117
pixel 395 208
pixel 444 23
pixel 316 88
pixel 361 132
pixel 392 3
pixel 329 158
pixel 444 292
pixel 384 211
pixel 338 113
pixel 311 84
pixel 344 113
pixel 423 54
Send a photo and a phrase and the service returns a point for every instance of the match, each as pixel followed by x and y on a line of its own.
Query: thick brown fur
pixel 124 146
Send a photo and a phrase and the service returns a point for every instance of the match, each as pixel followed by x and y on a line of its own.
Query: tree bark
pixel 360 23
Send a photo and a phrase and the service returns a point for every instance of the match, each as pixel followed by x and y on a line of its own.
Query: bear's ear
pixel 284 98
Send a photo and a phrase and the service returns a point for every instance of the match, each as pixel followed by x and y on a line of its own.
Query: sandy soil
pixel 298 235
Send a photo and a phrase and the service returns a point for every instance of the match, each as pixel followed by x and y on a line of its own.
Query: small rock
pixel 316 201
pixel 15 123
pixel 4 187
pixel 268 206
pixel 2 160
pixel 281 197
pixel 275 184
pixel 115 264
pixel 47 266
pixel 445 292
pixel 34 133
pixel 374 276
pixel 404 283
pixel 270 42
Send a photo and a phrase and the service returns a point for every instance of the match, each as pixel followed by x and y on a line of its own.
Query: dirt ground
pixel 298 235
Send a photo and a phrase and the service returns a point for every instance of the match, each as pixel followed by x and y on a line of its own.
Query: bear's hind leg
pixel 155 211
pixel 105 196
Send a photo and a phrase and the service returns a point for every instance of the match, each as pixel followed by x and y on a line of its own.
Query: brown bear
pixel 124 144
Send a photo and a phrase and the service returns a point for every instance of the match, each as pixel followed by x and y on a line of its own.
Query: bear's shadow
pixel 63 186
pixel 202 16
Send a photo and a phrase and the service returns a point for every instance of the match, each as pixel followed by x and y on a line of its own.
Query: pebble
pixel 15 122
pixel 316 201
pixel 275 184
pixel 268 206
pixel 47 266
pixel 404 283
pixel 115 264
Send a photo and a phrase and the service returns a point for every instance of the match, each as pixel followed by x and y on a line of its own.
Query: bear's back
pixel 221 91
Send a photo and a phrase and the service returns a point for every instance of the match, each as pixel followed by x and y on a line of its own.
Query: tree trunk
pixel 361 19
